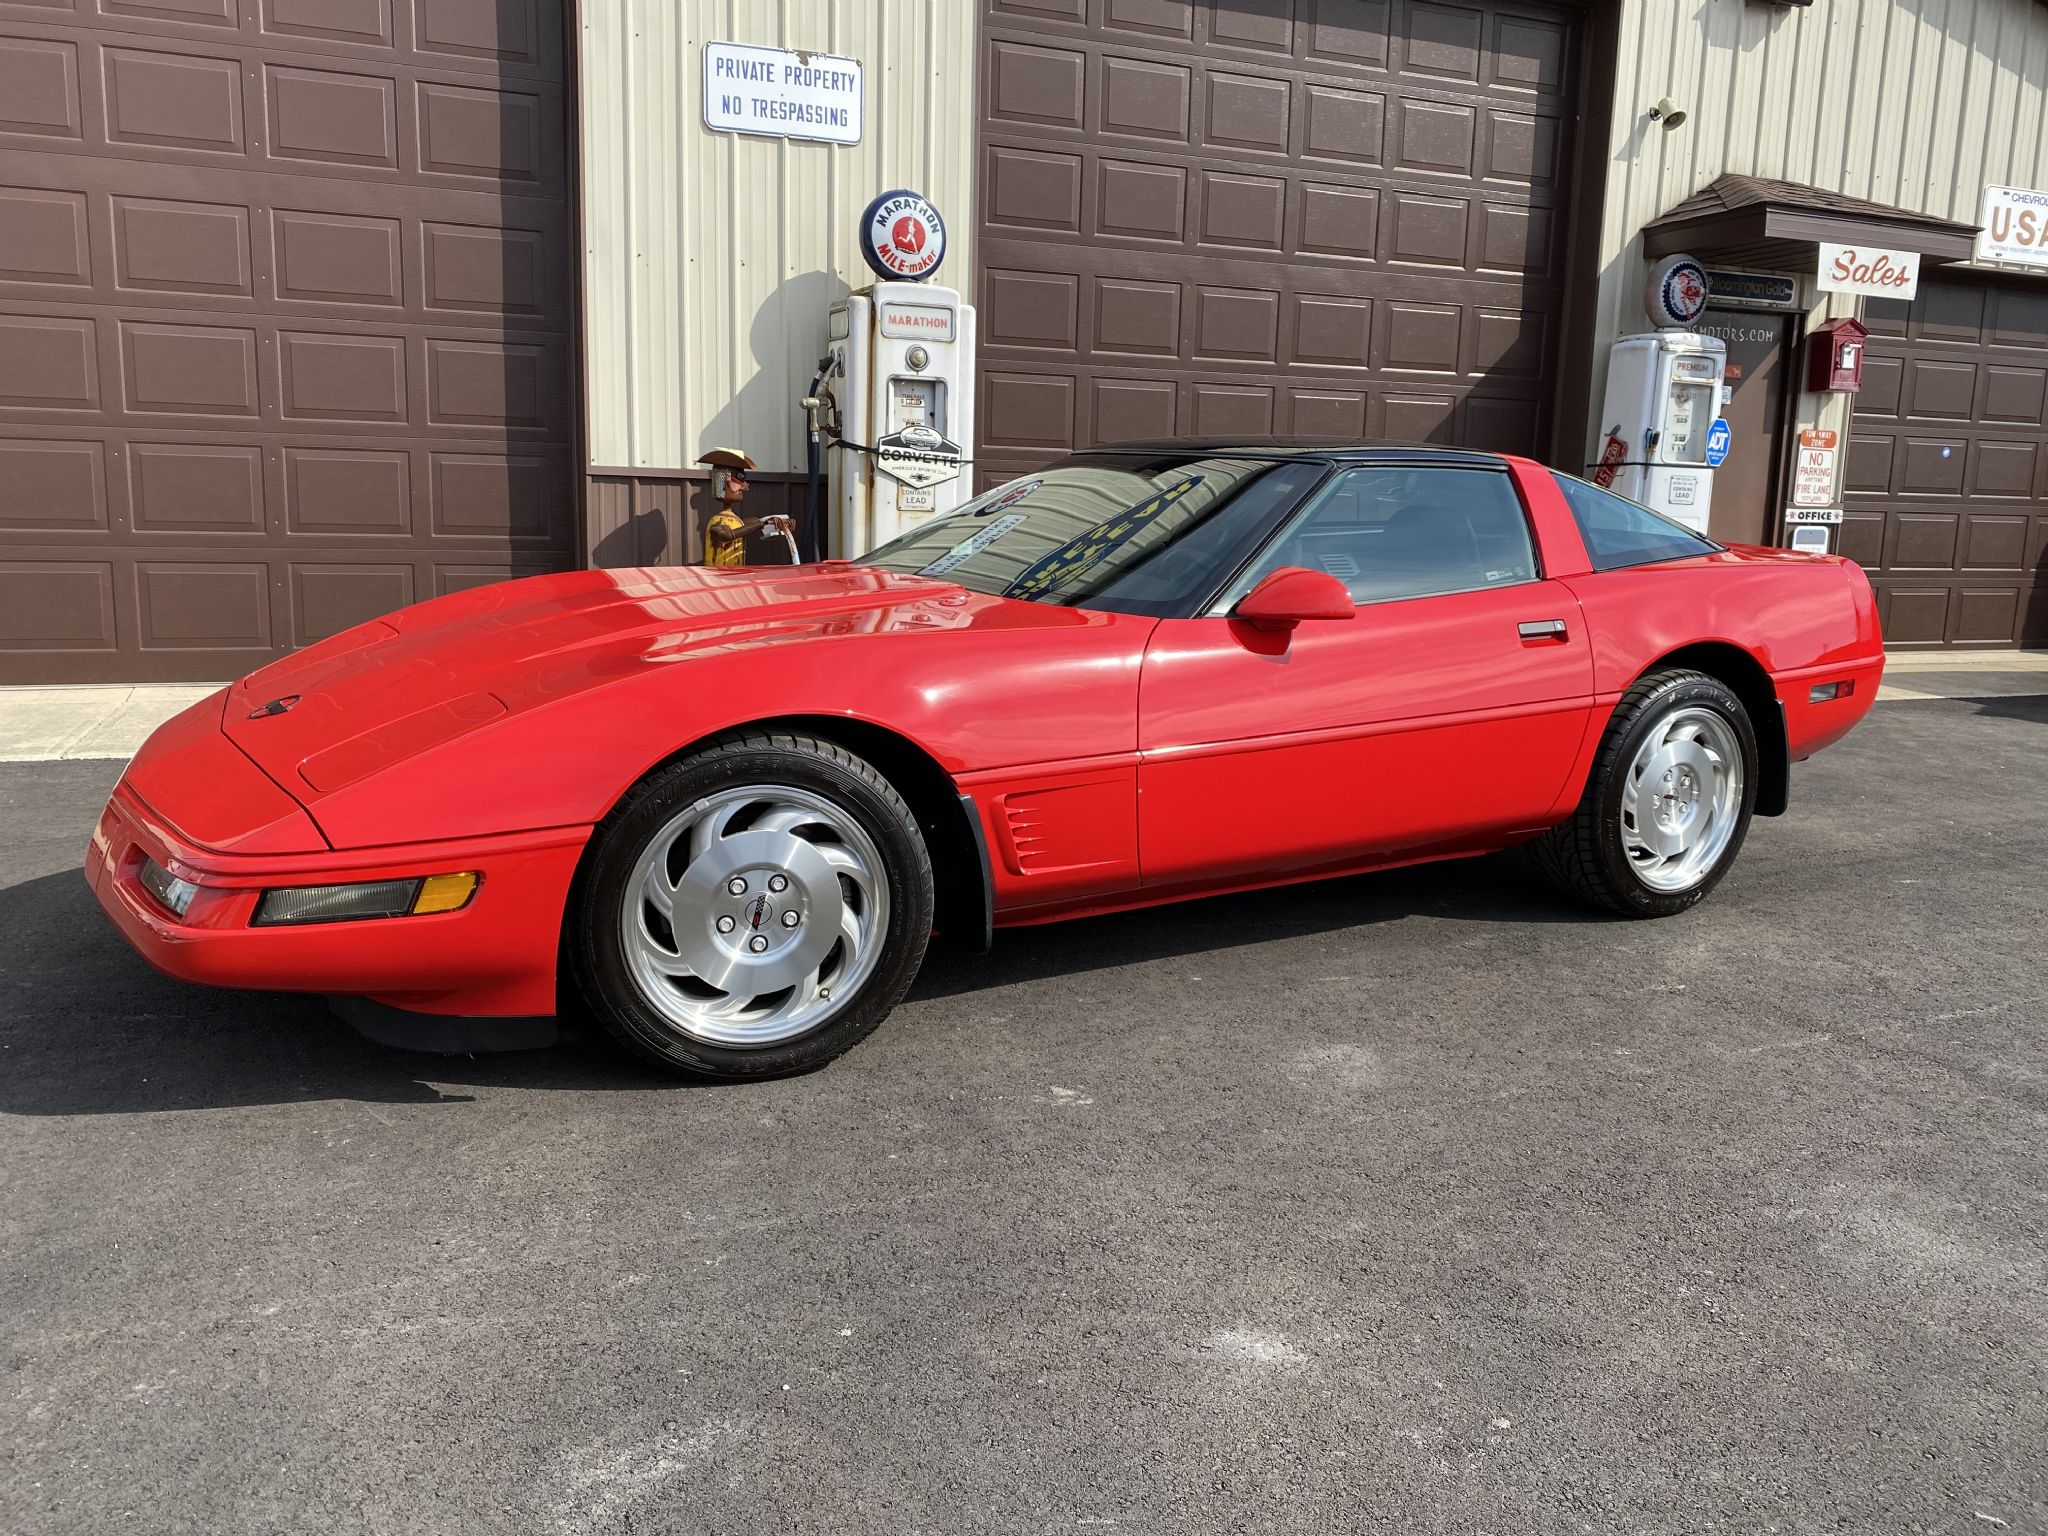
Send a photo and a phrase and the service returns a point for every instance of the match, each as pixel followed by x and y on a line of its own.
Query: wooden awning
pixel 1753 222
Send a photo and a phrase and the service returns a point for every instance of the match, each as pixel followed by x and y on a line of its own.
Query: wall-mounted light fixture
pixel 1667 112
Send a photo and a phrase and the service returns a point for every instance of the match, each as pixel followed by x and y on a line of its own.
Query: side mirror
pixel 1287 596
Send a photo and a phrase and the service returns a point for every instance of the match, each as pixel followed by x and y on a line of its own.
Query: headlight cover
pixel 175 894
pixel 352 903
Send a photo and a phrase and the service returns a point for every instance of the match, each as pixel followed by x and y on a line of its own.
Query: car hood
pixel 350 706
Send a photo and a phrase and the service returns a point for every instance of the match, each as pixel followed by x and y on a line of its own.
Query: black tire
pixel 596 948
pixel 1586 856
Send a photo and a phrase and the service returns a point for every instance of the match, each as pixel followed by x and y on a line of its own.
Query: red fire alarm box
pixel 1834 356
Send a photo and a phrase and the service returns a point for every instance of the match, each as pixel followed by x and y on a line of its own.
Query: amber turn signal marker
pixel 444 893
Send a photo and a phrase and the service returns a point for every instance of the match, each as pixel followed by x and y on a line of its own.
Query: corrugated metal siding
pixel 711 258
pixel 1920 103
pixel 659 519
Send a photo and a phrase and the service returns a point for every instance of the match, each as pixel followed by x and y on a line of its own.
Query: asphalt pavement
pixel 1421 1202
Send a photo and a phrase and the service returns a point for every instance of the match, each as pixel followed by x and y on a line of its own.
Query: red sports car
pixel 730 807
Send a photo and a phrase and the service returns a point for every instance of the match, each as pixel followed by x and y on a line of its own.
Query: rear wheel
pixel 754 909
pixel 1667 804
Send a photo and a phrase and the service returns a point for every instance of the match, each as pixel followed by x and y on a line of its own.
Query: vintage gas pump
pixel 1663 403
pixel 900 377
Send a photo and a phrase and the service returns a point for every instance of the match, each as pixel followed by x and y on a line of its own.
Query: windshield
pixel 1138 535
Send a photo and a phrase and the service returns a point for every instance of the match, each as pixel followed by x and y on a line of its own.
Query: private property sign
pixel 782 93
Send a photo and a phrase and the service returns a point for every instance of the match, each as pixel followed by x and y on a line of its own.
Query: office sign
pixel 2015 227
pixel 1868 269
pixel 781 93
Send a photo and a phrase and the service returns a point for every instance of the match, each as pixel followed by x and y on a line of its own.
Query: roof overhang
pixel 1775 225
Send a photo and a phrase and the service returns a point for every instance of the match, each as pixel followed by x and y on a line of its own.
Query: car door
pixel 1446 713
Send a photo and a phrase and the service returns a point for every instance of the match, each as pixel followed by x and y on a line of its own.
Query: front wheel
pixel 752 910
pixel 1668 801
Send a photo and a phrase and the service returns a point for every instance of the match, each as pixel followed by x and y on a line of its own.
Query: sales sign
pixel 1868 270
pixel 782 93
pixel 1813 476
pixel 2015 227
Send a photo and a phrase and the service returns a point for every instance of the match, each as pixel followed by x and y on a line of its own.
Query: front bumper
pixel 493 958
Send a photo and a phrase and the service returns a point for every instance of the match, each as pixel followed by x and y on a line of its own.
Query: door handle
pixel 1542 629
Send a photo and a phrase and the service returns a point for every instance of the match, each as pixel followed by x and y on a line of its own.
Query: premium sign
pixel 1866 269
pixel 2015 227
pixel 781 93
pixel 1813 476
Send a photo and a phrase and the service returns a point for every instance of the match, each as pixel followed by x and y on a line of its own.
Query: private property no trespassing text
pixel 775 91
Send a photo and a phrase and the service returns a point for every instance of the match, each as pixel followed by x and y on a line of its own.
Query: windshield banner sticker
pixel 1079 556
pixel 968 548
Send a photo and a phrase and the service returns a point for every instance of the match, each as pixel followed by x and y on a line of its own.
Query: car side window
pixel 1619 532
pixel 1399 532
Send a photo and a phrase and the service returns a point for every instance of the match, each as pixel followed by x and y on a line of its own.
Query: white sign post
pixel 781 93
pixel 2015 227
pixel 1869 270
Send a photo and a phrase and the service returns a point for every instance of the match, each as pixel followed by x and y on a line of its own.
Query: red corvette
pixel 730 807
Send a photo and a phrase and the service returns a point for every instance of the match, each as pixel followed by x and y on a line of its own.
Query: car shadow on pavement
pixel 1503 888
pixel 90 1028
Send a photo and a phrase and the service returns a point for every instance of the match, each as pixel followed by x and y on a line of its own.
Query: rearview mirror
pixel 1287 596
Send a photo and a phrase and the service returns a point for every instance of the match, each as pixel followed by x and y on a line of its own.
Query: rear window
pixel 1619 532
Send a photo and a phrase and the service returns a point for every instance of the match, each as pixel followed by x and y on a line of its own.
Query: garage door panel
pixel 1350 32
pixel 1884 386
pixel 56 604
pixel 1938 388
pixel 43 238
pixel 2012 394
pixel 1930 466
pixel 1325 413
pixel 49 363
pixel 1970 492
pixel 326 599
pixel 196 488
pixel 1862 537
pixel 1981 615
pixel 350 492
pixel 1991 542
pixel 1999 469
pixel 284 320
pixel 1922 541
pixel 53 485
pixel 1916 615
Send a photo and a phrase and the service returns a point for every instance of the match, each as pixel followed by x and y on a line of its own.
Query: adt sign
pixel 1718 437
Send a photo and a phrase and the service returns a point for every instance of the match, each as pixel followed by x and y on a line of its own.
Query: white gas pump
pixel 902 364
pixel 1663 398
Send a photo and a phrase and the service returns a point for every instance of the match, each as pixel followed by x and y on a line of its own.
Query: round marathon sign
pixel 902 236
pixel 1677 292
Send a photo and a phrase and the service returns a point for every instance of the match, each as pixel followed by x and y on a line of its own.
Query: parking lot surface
pixel 1418 1202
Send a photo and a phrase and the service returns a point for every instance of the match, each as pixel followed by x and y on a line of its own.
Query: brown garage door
pixel 1233 217
pixel 283 322
pixel 1945 492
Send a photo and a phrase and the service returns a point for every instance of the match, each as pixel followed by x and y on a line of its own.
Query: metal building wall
pixel 1918 103
pixel 711 258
